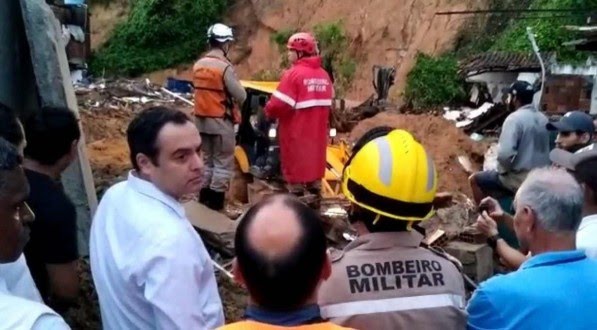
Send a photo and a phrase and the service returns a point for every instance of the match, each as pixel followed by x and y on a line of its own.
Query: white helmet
pixel 220 33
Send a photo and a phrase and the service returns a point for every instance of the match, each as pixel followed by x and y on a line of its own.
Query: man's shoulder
pixel 503 285
pixel 12 305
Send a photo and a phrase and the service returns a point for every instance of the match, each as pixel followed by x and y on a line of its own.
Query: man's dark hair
pixel 142 133
pixel 284 283
pixel 10 129
pixel 525 99
pixel 50 134
pixel 586 173
pixel 10 159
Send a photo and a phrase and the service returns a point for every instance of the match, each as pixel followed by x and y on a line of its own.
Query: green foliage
pixel 333 46
pixel 434 81
pixel 157 34
pixel 479 32
pixel 549 33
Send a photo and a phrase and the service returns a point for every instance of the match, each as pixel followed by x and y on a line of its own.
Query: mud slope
pixel 382 32
pixel 104 18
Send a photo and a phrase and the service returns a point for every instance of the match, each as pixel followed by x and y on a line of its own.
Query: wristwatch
pixel 492 240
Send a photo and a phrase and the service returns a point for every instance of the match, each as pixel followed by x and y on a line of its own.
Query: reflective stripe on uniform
pixel 314 103
pixel 392 305
pixel 284 98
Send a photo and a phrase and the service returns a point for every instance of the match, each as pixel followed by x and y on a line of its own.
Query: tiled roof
pixel 503 61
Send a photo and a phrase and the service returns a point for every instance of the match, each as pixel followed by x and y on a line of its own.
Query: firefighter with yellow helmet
pixel 384 279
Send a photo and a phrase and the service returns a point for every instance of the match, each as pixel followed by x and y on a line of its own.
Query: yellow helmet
pixel 392 176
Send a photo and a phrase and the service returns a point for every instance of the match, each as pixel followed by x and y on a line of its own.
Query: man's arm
pixel 61 254
pixel 509 255
pixel 234 86
pixel 181 287
pixel 64 280
pixel 508 143
pixel 283 100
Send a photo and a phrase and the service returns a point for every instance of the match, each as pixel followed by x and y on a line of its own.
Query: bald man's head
pixel 281 251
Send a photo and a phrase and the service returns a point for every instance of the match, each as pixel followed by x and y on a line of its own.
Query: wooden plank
pixel 207 219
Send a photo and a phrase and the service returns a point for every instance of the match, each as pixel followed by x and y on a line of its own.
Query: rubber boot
pixel 217 200
pixel 206 196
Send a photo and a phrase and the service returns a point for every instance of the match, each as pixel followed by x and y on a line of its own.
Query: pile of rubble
pixel 487 119
pixel 441 139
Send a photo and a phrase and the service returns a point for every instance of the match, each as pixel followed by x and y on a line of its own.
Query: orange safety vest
pixel 211 97
pixel 253 325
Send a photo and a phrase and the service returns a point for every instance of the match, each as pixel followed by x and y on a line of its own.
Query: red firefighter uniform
pixel 301 104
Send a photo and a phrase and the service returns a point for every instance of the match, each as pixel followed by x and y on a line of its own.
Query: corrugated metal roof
pixel 503 61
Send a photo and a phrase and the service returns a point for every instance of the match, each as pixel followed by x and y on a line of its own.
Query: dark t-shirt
pixel 54 231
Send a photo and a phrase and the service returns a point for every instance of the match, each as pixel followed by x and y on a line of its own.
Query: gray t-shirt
pixel 524 141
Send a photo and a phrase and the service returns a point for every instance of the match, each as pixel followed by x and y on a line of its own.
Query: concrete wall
pixel 17 83
pixel 496 81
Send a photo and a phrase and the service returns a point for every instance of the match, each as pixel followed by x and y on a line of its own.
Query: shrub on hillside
pixel 157 34
pixel 549 33
pixel 434 81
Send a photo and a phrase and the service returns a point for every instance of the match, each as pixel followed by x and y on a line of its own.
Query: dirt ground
pixel 441 139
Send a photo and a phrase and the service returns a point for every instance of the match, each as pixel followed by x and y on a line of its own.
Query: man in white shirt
pixel 15 216
pixel 150 268
pixel 583 165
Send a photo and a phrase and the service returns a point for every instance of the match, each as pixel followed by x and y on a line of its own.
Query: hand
pixel 493 208
pixel 486 225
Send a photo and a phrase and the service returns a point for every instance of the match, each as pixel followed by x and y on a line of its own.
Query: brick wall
pixel 565 93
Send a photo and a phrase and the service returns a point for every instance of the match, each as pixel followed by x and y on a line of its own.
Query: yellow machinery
pixel 257 94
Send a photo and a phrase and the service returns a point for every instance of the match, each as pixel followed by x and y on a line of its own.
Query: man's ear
pixel 238 274
pixel 326 271
pixel 585 138
pixel 529 220
pixel 143 162
pixel 74 148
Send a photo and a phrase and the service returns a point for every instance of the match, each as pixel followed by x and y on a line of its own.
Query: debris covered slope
pixel 441 139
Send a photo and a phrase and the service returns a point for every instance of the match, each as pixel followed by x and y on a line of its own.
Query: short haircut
pixel 555 197
pixel 213 43
pixel 10 129
pixel 286 282
pixel 10 159
pixel 525 99
pixel 586 173
pixel 142 133
pixel 50 134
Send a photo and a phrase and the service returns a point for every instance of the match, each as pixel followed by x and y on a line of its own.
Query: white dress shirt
pixel 150 267
pixel 18 313
pixel 18 280
pixel 586 236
